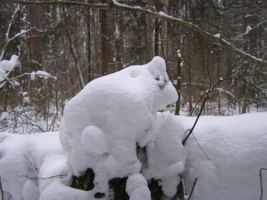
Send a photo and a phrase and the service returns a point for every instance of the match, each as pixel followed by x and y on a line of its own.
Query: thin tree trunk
pixel 178 86
pixel 164 30
pixel 89 69
pixel 104 39
pixel 73 52
pixel 156 44
pixel 149 35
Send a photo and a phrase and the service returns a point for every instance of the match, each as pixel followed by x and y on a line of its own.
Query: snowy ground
pixel 101 128
pixel 236 149
pixel 235 146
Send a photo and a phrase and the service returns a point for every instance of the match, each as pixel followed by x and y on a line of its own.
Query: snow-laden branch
pixel 11 21
pixel 249 28
pixel 41 74
pixel 22 32
pixel 8 39
pixel 154 13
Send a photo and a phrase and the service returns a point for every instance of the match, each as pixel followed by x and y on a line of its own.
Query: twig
pixel 191 193
pixel 202 107
pixel 41 178
pixel 261 181
pixel 32 162
pixel 214 167
pixel 1 189
pixel 208 92
pixel 160 15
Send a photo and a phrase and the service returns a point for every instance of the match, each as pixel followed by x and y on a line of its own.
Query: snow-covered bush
pixel 105 122
pixel 21 116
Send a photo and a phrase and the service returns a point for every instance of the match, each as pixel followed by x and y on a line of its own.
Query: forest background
pixel 207 44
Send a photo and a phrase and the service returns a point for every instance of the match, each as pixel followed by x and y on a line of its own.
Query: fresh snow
pixel 23 158
pixel 116 112
pixel 101 127
pixel 248 29
pixel 41 74
pixel 236 147
pixel 218 35
pixel 8 65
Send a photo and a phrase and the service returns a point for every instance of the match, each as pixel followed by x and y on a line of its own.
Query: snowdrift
pixel 105 122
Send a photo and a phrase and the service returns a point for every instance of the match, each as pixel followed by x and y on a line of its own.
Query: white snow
pixel 117 32
pixel 22 157
pixel 167 157
pixel 41 74
pixel 101 127
pixel 179 53
pixel 218 35
pixel 140 193
pixel 135 181
pixel 236 147
pixel 113 114
pixel 8 65
pixel 2 75
pixel 94 140
pixel 248 29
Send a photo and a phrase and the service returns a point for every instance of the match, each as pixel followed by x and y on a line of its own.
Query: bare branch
pixel 261 182
pixel 155 14
pixel 41 178
pixel 191 193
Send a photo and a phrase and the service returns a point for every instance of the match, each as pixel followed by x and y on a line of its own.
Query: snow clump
pixel 105 121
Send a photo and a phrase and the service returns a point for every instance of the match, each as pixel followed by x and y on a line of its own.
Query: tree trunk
pixel 149 36
pixel 178 86
pixel 104 39
pixel 164 31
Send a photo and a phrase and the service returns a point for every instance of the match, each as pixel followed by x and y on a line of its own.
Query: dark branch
pixel 161 15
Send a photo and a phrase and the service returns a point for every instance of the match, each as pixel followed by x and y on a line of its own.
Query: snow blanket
pixel 105 122
pixel 235 148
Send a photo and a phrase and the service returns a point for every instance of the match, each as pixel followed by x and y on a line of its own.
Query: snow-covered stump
pixel 104 122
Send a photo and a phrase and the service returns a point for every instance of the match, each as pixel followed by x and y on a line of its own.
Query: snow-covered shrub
pixel 105 122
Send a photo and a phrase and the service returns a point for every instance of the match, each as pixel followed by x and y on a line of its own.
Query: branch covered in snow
pixel 8 39
pixel 154 13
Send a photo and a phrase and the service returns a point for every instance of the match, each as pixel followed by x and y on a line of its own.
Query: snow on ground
pixel 27 162
pixel 236 147
pixel 101 127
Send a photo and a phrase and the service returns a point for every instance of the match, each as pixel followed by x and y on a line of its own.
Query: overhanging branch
pixel 161 15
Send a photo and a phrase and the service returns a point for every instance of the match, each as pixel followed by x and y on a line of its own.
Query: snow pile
pixel 236 147
pixel 166 159
pixel 28 163
pixel 104 122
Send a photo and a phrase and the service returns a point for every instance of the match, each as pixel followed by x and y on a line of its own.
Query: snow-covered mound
pixel 166 159
pixel 28 163
pixel 104 122
pixel 237 149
